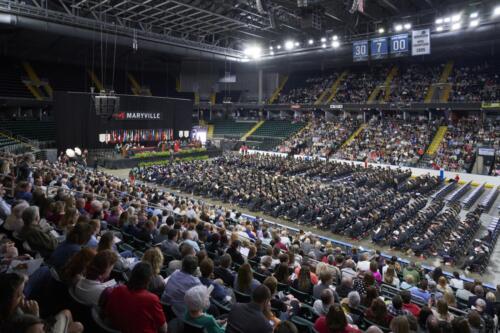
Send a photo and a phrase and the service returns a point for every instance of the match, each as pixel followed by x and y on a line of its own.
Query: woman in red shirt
pixel 132 308
pixel 335 321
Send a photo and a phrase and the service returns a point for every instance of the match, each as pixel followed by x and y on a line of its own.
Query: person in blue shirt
pixel 219 292
pixel 96 228
pixel 76 238
pixel 421 291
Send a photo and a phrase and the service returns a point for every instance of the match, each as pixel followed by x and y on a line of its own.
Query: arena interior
pixel 249 166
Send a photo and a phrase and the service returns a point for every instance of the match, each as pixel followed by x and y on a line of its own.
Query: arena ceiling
pixel 224 27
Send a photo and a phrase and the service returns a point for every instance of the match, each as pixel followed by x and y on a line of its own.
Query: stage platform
pixel 131 162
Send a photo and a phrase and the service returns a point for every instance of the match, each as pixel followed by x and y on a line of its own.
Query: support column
pixel 260 88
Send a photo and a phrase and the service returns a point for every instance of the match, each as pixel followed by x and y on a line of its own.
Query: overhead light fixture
pixel 474 15
pixel 398 27
pixel 474 23
pixel 253 51
pixel 447 19
pixel 439 21
pixel 271 48
pixel 335 43
pixel 323 45
pixel 310 42
pixel 456 26
pixel 439 28
pixel 496 11
pixel 456 17
pixel 335 37
pixel 381 30
pixel 289 45
pixel 271 53
pixel 297 44
pixel 407 26
pixel 278 47
pixel 323 39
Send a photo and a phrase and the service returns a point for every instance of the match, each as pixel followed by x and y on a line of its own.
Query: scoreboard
pixel 392 46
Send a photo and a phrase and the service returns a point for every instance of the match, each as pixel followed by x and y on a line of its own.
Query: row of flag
pixel 139 135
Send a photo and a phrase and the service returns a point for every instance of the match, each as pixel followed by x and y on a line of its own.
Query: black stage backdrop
pixel 77 124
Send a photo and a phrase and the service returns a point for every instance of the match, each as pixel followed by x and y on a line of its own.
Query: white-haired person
pixel 197 300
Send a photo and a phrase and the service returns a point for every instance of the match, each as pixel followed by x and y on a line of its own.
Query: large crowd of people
pixel 320 138
pixel 391 141
pixel 147 260
pixel 469 83
pixel 457 151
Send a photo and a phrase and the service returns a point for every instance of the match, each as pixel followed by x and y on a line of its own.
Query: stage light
pixel 78 151
pixel 335 43
pixel 310 42
pixel 456 18
pixel 289 45
pixel 398 27
pixel 407 26
pixel 323 45
pixel 439 21
pixel 496 11
pixel 447 19
pixel 296 44
pixel 271 48
pixel 474 15
pixel 323 39
pixel 474 23
pixel 439 29
pixel 253 51
pixel 70 153
pixel 381 30
pixel 271 53
pixel 456 26
pixel 335 37
pixel 278 47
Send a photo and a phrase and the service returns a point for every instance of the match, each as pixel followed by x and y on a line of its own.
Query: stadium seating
pixel 231 129
pixel 31 129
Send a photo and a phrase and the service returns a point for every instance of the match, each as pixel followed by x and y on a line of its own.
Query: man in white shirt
pixel 363 263
pixel 456 282
pixel 89 289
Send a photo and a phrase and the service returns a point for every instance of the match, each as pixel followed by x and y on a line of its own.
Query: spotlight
pixel 310 42
pixel 474 23
pixel 271 48
pixel 323 39
pixel 474 15
pixel 496 11
pixel 335 37
pixel 456 17
pixel 381 30
pixel 439 21
pixel 297 44
pixel 335 43
pixel 439 29
pixel 253 51
pixel 323 45
pixel 407 26
pixel 289 45
pixel 278 47
pixel 271 53
pixel 456 26
pixel 398 27
pixel 447 20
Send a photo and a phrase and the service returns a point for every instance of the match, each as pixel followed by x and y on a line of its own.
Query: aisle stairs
pixel 436 141
pixel 442 80
pixel 277 91
pixel 252 130
pixel 335 86
pixel 353 136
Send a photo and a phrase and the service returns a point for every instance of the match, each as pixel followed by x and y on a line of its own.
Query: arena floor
pixel 490 276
